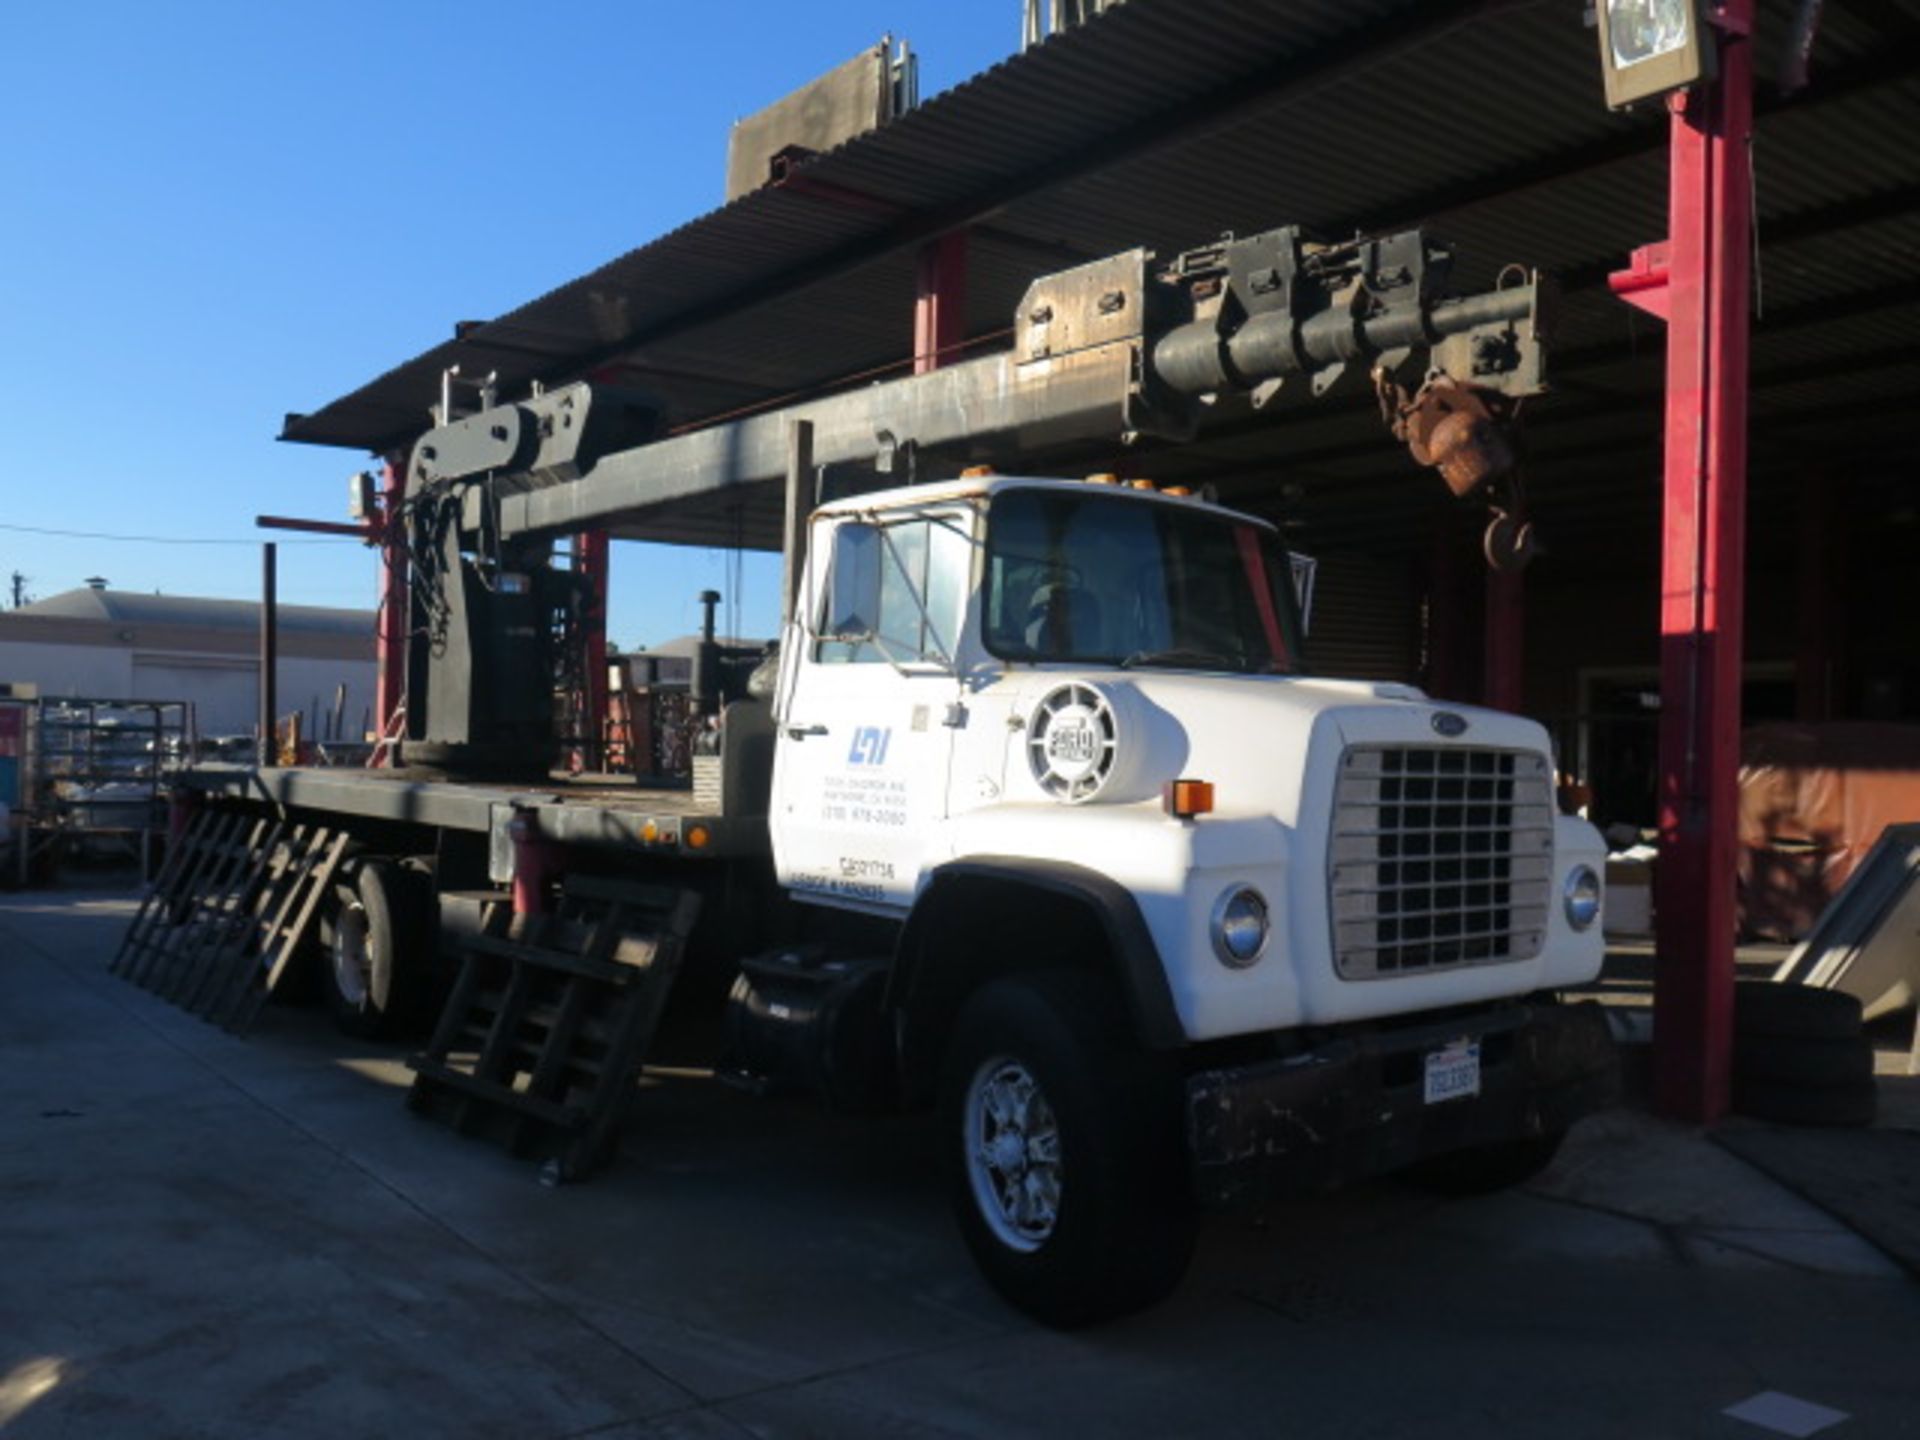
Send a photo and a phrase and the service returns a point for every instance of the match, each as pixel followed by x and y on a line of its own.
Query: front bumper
pixel 1354 1106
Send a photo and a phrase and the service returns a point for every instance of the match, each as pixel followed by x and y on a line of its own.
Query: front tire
pixel 1068 1173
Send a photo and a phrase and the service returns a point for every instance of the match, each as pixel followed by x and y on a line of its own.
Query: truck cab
pixel 1063 734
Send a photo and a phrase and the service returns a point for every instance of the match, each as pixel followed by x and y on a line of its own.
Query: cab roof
pixel 980 487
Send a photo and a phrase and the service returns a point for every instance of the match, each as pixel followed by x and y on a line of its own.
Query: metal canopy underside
pixel 1163 118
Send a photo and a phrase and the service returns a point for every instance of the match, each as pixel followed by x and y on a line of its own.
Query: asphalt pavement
pixel 208 1236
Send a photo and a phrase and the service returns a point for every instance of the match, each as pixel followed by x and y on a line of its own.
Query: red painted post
pixel 1702 577
pixel 182 805
pixel 591 556
pixel 390 673
pixel 940 301
pixel 1506 637
pixel 534 863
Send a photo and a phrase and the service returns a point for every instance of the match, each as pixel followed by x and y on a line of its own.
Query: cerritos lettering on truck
pixel 847 886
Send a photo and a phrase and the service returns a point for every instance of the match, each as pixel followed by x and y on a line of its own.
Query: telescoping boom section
pixel 1107 352
pixel 1112 350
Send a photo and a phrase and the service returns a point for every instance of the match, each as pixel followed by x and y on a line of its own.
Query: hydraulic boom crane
pixel 1115 349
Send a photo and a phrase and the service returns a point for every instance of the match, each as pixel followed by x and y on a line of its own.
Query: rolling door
pixel 1364 623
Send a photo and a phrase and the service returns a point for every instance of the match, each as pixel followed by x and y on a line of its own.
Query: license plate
pixel 1453 1073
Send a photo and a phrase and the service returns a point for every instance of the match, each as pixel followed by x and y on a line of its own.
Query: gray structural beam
pixel 974 408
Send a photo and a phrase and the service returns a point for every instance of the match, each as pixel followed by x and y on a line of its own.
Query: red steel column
pixel 1702 578
pixel 1506 635
pixel 390 674
pixel 591 554
pixel 940 301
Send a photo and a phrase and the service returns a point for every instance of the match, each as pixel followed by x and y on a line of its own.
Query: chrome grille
pixel 1441 858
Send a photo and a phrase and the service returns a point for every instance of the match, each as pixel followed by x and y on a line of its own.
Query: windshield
pixel 1103 579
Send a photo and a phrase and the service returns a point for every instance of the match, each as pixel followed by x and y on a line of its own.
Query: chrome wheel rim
pixel 352 960
pixel 1013 1154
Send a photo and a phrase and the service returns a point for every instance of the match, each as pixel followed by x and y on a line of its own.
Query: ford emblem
pixel 1446 723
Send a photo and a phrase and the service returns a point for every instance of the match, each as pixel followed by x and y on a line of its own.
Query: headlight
pixel 1582 897
pixel 1240 926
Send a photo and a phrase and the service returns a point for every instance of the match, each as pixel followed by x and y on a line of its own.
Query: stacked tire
pixel 1800 1056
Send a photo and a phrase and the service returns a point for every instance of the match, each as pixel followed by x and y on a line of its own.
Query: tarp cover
pixel 1813 799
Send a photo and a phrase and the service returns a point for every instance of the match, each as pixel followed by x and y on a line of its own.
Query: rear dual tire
pixel 375 949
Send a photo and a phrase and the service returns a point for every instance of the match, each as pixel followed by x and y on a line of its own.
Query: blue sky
pixel 216 213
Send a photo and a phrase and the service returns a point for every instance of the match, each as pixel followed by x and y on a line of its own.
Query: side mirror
pixel 1303 568
pixel 853 593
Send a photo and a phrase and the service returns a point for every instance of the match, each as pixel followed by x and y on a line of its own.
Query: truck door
pixel 860 769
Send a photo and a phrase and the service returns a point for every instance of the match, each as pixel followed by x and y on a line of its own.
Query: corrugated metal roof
pixel 1164 121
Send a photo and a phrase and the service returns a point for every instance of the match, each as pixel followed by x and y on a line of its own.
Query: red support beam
pixel 1704 300
pixel 591 555
pixel 940 302
pixel 1506 635
pixel 390 676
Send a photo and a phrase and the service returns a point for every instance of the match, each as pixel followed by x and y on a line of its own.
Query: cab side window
pixel 894 593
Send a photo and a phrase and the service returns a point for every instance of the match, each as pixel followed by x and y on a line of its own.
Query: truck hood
pixel 1257 738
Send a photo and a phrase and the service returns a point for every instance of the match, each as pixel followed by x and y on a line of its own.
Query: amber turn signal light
pixel 1185 799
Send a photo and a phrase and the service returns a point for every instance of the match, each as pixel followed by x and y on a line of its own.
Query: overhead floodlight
pixel 1648 47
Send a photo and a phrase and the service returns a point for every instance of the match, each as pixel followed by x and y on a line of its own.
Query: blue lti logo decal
pixel 869 746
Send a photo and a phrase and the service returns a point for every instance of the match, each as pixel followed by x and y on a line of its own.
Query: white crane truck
pixel 1039 819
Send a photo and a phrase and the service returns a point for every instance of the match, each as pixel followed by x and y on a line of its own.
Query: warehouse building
pixel 102 644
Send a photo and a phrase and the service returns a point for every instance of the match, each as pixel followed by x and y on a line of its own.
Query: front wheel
pixel 1063 1138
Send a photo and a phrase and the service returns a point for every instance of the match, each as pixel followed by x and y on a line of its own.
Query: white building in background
pixel 121 645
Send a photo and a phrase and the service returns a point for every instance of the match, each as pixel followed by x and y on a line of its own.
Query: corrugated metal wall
pixel 1365 623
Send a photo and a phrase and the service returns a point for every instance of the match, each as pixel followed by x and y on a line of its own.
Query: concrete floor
pixel 206 1236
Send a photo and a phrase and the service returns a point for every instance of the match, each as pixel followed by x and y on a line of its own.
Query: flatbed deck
pixel 603 811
